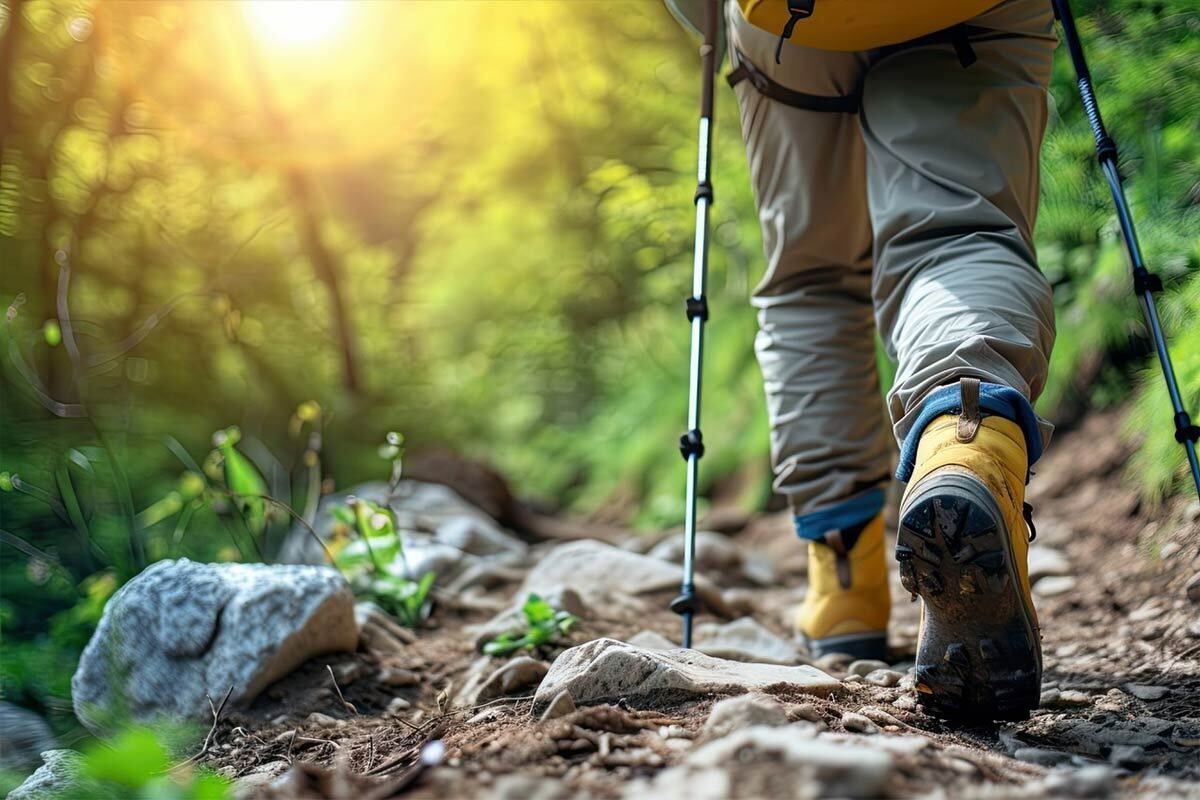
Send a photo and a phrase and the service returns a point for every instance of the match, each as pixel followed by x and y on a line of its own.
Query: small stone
pixel 319 720
pixel 773 762
pixel 394 676
pixel 1046 561
pixel 880 717
pixel 397 705
pixel 904 744
pixel 560 706
pixel 1054 585
pixel 866 666
pixel 858 723
pixel 1144 692
pixel 1069 698
pixel 1129 756
pixel 886 678
pixel 1193 588
pixel 834 662
pixel 1049 698
pixel 521 673
pixel 804 711
pixel 905 702
pixel 1094 780
pixel 606 671
pixel 347 673
pixel 1041 756
pixel 743 711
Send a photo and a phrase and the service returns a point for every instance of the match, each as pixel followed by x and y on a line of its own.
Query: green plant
pixel 137 764
pixel 543 625
pixel 373 561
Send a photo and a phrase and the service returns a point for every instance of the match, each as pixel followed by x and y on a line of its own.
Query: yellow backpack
pixel 858 24
pixel 842 24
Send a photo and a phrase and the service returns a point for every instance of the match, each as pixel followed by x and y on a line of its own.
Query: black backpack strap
pixel 746 71
pixel 960 37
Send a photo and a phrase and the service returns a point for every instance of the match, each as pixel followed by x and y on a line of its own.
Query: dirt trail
pixel 1120 713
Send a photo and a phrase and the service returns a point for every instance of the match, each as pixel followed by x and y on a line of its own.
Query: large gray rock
pixel 57 778
pixel 605 671
pixel 744 640
pixel 24 736
pixel 762 761
pixel 182 630
pixel 604 575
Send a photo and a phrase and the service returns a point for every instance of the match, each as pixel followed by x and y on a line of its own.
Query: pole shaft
pixel 708 56
pixel 1107 153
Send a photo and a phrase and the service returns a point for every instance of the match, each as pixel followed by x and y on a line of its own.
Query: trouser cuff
pixel 848 513
pixel 994 400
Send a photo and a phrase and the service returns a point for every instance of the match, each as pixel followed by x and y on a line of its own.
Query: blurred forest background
pixel 470 222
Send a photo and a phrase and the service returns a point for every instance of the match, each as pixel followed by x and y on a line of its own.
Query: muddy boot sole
pixel 979 656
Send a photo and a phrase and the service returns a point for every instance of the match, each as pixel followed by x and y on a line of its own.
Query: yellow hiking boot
pixel 847 605
pixel 963 547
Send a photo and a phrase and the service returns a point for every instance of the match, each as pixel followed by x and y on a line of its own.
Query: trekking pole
pixel 691 444
pixel 1145 283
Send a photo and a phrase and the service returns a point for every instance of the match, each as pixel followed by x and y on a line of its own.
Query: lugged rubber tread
pixel 979 656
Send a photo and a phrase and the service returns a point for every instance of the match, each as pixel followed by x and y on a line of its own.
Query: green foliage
pixel 374 561
pixel 543 626
pixel 137 764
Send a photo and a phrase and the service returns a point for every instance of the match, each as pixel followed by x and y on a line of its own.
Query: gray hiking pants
pixel 913 217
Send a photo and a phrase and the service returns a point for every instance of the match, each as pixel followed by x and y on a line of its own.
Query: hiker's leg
pixel 953 168
pixel 816 339
pixel 953 187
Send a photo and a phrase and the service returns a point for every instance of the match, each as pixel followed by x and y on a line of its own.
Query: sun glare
pixel 296 21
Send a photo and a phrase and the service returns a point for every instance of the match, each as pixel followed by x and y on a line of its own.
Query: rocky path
pixel 614 710
pixel 621 714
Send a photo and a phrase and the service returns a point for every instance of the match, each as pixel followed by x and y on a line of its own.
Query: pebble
pixel 1143 692
pixel 905 702
pixel 886 678
pixel 866 666
pixel 1129 756
pixel 834 662
pixel 1054 585
pixel 394 676
pixel 1193 588
pixel 560 706
pixel 805 711
pixel 858 723
pixel 1095 780
pixel 1072 698
pixel 348 672
pixel 1041 756
pixel 397 705
pixel 320 720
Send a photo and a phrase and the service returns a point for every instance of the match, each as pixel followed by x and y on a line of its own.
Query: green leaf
pixel 243 480
pixel 343 514
pixel 133 759
pixel 537 610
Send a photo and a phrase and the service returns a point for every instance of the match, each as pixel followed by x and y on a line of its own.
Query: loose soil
pixel 1125 619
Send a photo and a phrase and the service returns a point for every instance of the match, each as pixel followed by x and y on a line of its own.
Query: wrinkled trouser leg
pixel 816 340
pixel 945 203
pixel 952 171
